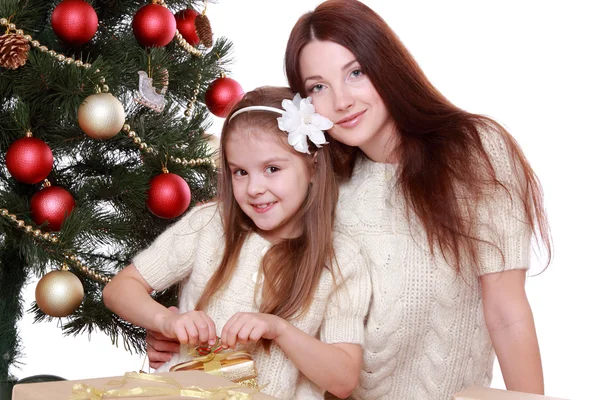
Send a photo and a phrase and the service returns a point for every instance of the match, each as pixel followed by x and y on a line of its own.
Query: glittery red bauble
pixel 169 196
pixel 186 25
pixel 222 95
pixel 154 26
pixel 51 204
pixel 74 21
pixel 29 160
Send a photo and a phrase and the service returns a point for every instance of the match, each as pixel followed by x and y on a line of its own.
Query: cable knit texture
pixel 190 251
pixel 425 334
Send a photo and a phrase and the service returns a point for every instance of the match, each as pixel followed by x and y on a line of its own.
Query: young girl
pixel 261 264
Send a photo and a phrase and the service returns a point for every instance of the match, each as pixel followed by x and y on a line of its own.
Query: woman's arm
pixel 509 320
pixel 128 295
pixel 160 348
pixel 334 367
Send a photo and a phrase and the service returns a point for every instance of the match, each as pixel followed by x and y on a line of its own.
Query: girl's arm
pixel 509 320
pixel 334 360
pixel 334 367
pixel 128 295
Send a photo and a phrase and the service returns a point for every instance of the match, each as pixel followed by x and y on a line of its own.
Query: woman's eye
pixel 316 88
pixel 239 172
pixel 356 73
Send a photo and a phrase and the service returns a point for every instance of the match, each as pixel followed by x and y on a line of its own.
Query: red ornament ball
pixel 154 26
pixel 29 160
pixel 52 204
pixel 169 196
pixel 186 25
pixel 222 95
pixel 74 21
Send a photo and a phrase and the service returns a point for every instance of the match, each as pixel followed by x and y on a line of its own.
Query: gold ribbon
pixel 82 391
pixel 212 362
pixel 236 366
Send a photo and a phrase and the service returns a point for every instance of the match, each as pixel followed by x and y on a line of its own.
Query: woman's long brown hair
pixel 439 147
pixel 292 267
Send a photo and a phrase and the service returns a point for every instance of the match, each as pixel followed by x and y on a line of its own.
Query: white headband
pixel 299 120
pixel 256 108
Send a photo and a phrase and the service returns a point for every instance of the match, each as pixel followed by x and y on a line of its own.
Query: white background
pixel 533 66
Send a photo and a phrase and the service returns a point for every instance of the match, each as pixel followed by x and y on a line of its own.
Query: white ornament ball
pixel 101 116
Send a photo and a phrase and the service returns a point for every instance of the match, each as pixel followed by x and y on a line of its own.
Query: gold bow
pixel 236 366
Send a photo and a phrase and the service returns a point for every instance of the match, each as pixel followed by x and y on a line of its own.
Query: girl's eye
pixel 239 172
pixel 271 170
pixel 316 88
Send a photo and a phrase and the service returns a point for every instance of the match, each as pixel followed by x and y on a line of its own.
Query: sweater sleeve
pixel 350 300
pixel 170 258
pixel 501 219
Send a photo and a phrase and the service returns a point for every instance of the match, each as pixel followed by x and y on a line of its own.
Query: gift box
pixel 484 393
pixel 141 386
pixel 236 366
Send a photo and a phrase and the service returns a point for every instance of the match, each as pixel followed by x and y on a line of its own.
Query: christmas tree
pixel 103 111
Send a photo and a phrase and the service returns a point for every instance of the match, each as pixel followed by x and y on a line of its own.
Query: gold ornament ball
pixel 59 293
pixel 101 116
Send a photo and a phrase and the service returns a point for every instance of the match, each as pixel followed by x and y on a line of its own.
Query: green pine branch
pixel 108 179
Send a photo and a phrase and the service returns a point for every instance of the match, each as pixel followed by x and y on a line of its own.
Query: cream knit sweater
pixel 425 335
pixel 191 250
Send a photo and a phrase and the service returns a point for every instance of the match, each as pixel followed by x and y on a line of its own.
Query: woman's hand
pixel 160 348
pixel 250 327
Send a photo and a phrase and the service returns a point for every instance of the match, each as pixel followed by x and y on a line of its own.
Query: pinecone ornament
pixel 204 30
pixel 13 51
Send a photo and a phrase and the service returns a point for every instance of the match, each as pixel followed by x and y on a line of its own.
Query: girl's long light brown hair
pixel 292 267
pixel 439 147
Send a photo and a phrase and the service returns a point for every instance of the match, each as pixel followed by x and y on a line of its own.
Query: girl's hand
pixel 250 327
pixel 192 327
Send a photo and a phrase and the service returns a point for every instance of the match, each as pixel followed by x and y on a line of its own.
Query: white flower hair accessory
pixel 299 120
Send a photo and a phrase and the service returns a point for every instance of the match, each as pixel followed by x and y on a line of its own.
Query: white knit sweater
pixel 190 251
pixel 425 335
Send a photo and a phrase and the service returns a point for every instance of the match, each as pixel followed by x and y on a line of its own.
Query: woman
pixel 443 202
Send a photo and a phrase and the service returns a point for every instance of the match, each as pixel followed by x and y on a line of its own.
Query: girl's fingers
pixel 193 330
pixel 212 330
pixel 224 332
pixel 229 332
pixel 244 332
pixel 256 333
pixel 181 333
pixel 202 329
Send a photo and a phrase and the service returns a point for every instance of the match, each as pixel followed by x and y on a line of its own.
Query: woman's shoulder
pixel 500 148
